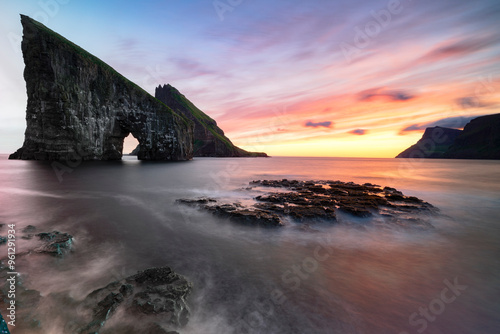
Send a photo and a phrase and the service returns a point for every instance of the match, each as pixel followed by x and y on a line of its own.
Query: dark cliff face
pixel 433 144
pixel 480 139
pixel 209 139
pixel 79 107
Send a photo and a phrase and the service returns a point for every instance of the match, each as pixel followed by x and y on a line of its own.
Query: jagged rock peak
pixel 209 139
pixel 81 108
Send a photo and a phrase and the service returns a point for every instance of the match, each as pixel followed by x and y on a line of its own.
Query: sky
pixel 338 78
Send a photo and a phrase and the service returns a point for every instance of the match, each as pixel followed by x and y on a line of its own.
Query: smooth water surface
pixel 337 278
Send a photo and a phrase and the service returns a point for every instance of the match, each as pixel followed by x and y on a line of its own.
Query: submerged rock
pixel 197 201
pixel 236 212
pixel 28 232
pixel 29 229
pixel 310 201
pixel 3 326
pixel 55 243
pixel 156 296
pixel 248 216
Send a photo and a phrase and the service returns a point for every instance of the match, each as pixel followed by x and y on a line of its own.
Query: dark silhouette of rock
pixel 312 201
pixel 135 151
pixel 152 300
pixel 79 108
pixel 209 139
pixel 480 139
pixel 433 144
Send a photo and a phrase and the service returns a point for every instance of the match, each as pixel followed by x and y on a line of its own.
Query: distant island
pixel 480 139
pixel 80 108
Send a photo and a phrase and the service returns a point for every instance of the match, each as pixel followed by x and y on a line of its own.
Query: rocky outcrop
pixel 480 139
pixel 81 108
pixel 209 139
pixel 433 144
pixel 55 243
pixel 306 202
pixel 153 300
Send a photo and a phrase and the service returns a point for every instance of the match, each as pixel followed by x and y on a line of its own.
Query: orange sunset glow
pixel 330 78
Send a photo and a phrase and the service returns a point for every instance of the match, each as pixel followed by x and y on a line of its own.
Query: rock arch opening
pixel 130 143
pixel 92 108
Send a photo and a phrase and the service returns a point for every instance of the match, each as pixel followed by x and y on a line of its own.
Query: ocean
pixel 352 276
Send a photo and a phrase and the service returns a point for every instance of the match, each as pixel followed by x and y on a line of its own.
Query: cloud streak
pixel 326 124
pixel 458 122
pixel 461 48
pixel 359 132
pixel 387 94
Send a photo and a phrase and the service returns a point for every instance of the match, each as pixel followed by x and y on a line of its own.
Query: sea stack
pixel 80 107
pixel 209 139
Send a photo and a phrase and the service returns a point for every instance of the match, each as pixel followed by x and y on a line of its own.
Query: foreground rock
pixel 55 243
pixel 152 301
pixel 313 201
pixel 236 212
pixel 79 108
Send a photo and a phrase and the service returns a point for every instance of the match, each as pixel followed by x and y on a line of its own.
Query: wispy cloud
pixel 189 66
pixel 359 132
pixel 461 48
pixel 451 122
pixel 468 102
pixel 391 95
pixel 326 124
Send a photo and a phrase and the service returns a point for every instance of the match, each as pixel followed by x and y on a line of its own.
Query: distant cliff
pixel 433 144
pixel 81 108
pixel 480 139
pixel 209 139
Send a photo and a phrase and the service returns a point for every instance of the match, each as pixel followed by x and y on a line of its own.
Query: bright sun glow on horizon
pixel 289 78
pixel 375 147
